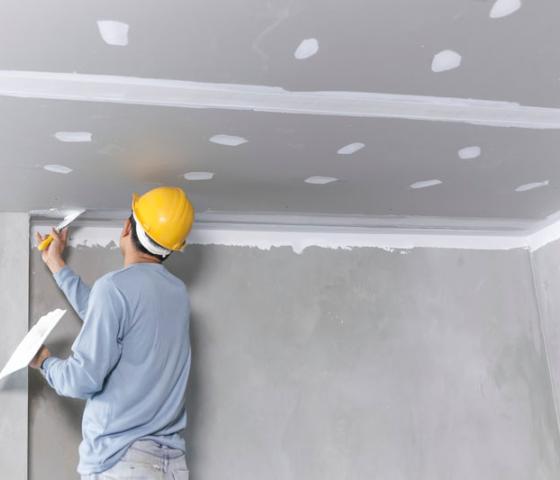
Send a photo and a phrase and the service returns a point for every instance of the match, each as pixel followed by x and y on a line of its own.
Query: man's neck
pixel 133 258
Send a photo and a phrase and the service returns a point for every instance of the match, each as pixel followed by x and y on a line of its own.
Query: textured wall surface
pixel 14 297
pixel 341 364
pixel 546 269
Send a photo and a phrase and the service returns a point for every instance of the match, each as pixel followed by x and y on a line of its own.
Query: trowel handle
pixel 45 243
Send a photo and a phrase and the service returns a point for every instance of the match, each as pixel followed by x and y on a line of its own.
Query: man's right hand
pixel 52 255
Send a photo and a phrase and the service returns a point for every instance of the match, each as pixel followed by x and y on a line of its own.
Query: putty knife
pixel 67 221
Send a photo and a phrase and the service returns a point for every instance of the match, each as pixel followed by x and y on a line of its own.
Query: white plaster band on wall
pixel 185 94
pixel 299 239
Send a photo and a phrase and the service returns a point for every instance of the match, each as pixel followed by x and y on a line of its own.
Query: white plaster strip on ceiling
pixel 484 226
pixel 185 94
pixel 231 220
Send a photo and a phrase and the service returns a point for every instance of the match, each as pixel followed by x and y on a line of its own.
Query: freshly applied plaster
pixel 351 148
pixel 425 184
pixel 199 176
pixel 72 137
pixel 184 94
pixel 446 60
pixel 300 238
pixel 531 186
pixel 228 140
pixel 318 180
pixel 469 153
pixel 113 32
pixel 503 8
pixel 307 48
pixel 54 168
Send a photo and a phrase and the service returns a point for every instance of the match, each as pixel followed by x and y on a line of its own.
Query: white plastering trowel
pixel 67 221
pixel 32 342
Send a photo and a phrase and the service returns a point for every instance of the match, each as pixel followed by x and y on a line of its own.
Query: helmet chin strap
pixel 147 242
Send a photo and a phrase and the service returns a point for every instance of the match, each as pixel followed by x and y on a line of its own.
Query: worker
pixel 132 357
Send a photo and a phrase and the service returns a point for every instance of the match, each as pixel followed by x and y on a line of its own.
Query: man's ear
pixel 127 228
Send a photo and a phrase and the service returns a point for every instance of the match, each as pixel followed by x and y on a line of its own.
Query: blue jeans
pixel 146 460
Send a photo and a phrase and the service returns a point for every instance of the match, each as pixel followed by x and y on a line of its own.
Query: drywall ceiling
pixel 101 133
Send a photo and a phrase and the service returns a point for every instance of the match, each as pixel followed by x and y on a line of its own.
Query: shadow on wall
pixel 55 422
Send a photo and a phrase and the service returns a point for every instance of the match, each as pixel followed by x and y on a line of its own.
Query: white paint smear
pixel 307 48
pixel 318 180
pixel 58 169
pixel 228 140
pixel 503 8
pixel 531 186
pixel 32 342
pixel 446 60
pixel 199 175
pixel 469 153
pixel 299 239
pixel 260 98
pixel 351 148
pixel 425 184
pixel 72 137
pixel 113 32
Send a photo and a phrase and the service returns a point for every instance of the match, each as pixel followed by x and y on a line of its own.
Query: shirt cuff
pixel 63 274
pixel 45 366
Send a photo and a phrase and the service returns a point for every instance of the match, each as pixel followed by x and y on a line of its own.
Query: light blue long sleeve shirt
pixel 131 361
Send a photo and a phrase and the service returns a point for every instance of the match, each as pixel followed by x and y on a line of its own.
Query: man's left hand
pixel 41 356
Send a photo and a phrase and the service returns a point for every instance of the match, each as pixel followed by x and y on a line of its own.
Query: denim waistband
pixel 151 447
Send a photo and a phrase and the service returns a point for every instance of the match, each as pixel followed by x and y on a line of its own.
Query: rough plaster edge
pixel 301 231
pixel 259 98
pixel 300 239
pixel 547 341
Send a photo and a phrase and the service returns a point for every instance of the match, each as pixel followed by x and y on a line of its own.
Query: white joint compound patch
pixel 73 137
pixel 228 140
pixel 199 176
pixel 425 184
pixel 503 8
pixel 113 32
pixel 351 148
pixel 446 60
pixel 318 180
pixel 531 186
pixel 469 153
pixel 307 48
pixel 54 168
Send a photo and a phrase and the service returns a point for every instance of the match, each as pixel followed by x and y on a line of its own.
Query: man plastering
pixel 132 358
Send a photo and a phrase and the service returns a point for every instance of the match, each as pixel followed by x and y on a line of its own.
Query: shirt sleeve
pixel 75 290
pixel 96 350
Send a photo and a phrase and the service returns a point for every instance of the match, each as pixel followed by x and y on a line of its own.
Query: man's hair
pixel 138 245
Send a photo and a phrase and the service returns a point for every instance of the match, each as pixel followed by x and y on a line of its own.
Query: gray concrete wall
pixel 14 298
pixel 341 364
pixel 546 271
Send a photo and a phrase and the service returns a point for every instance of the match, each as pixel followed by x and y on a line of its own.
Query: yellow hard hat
pixel 166 215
